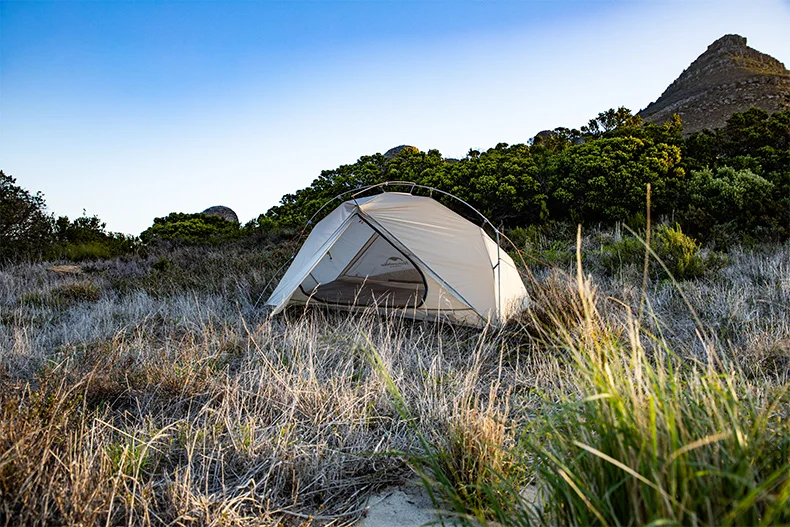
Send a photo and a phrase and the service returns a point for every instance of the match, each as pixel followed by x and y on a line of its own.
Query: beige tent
pixel 399 252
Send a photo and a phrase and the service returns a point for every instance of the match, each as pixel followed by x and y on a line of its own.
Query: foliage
pixel 729 195
pixel 191 229
pixel 724 187
pixel 296 209
pixel 610 121
pixel 28 232
pixel 86 238
pixel 680 254
pixel 607 179
pixel 504 183
pixel 25 227
pixel 748 159
pixel 596 174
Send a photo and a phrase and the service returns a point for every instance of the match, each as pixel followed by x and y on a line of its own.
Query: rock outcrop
pixel 223 212
pixel 392 152
pixel 729 77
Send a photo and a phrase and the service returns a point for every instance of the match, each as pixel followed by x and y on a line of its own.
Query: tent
pixel 400 252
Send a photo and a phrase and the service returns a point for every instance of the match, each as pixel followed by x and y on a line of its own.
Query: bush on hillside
pixel 86 238
pixel 597 174
pixel 680 253
pixel 730 194
pixel 606 179
pixel 191 229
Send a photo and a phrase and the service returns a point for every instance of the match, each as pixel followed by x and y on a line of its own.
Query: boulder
pixel 223 212
pixel 392 152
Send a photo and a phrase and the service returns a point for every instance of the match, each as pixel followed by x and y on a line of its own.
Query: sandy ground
pixel 410 506
pixel 405 506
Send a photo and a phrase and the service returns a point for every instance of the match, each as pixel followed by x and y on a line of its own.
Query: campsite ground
pixel 151 390
pixel 405 505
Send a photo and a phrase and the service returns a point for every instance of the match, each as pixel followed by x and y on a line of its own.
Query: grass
pixel 646 436
pixel 653 438
pixel 151 391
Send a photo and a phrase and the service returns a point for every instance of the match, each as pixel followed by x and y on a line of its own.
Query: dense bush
pixel 679 253
pixel 736 179
pixel 191 229
pixel 86 238
pixel 28 232
pixel 725 163
pixel 606 179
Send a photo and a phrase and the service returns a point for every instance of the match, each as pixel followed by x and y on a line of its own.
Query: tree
pixel 85 238
pixel 502 183
pixel 611 120
pixel 752 143
pixel 726 196
pixel 606 179
pixel 296 209
pixel 25 227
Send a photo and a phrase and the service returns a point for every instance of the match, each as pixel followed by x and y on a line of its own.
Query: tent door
pixel 375 273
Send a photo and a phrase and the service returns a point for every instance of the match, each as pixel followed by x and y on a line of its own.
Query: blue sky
pixel 134 109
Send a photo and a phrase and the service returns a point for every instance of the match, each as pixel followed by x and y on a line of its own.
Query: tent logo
pixel 394 261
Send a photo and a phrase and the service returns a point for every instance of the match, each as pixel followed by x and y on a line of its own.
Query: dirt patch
pixel 65 269
pixel 405 506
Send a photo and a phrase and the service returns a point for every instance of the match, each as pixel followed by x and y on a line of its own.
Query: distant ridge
pixel 728 77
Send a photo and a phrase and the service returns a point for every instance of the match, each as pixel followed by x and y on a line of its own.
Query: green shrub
pixel 730 195
pixel 622 253
pixel 77 252
pixel 191 229
pixel 85 238
pixel 679 252
pixel 162 265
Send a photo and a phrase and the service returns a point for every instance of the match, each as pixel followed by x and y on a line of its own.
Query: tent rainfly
pixel 399 252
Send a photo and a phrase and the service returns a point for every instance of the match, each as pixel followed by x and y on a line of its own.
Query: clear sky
pixel 135 109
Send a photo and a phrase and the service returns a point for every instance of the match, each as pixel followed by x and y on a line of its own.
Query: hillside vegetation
pixel 722 187
pixel 725 187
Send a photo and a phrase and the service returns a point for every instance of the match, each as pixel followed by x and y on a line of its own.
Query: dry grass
pixel 141 396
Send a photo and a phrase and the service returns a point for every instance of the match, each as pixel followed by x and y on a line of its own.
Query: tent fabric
pixel 397 251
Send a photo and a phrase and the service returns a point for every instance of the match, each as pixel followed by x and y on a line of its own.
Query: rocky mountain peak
pixel 728 77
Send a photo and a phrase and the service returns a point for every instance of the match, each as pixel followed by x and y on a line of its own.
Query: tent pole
pixel 498 276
